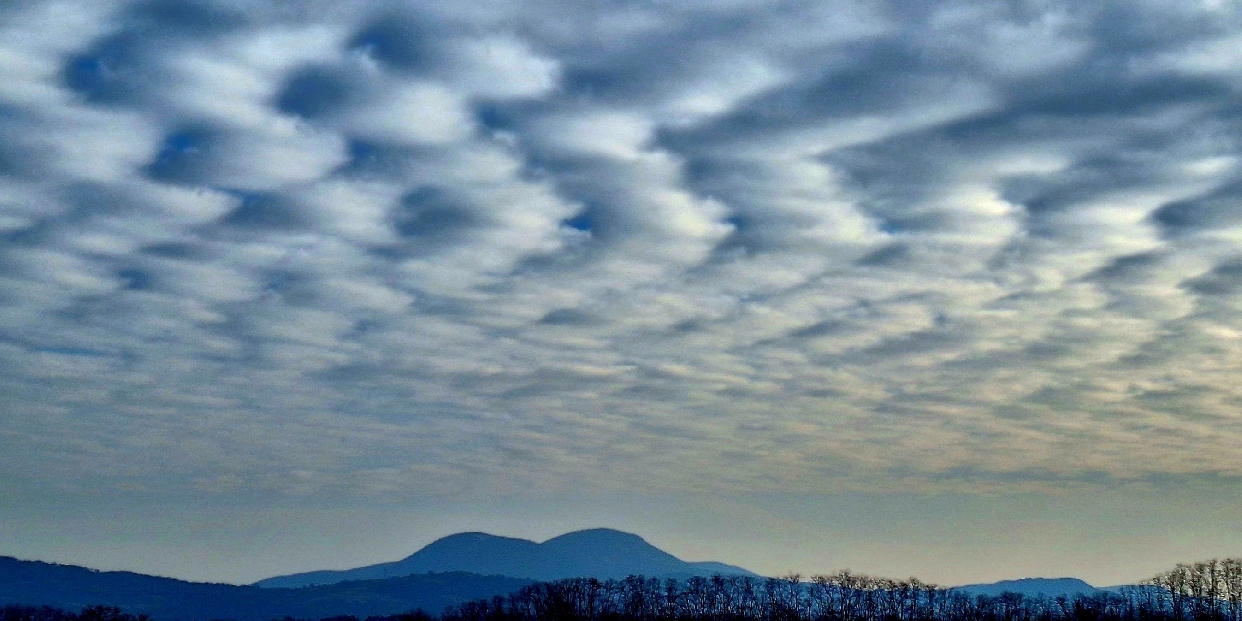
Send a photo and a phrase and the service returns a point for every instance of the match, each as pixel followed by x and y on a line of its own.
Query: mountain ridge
pixel 71 587
pixel 1032 587
pixel 592 553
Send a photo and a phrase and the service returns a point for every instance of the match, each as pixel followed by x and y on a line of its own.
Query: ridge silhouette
pixel 594 553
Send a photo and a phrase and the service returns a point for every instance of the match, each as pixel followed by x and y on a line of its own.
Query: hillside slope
pixel 1032 587
pixel 166 599
pixel 596 553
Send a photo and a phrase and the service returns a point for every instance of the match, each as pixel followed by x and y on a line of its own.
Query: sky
pixel 939 288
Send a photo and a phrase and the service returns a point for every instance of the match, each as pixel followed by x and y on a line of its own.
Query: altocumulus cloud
pixel 408 248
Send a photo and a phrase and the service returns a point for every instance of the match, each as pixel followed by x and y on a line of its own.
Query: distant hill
pixel 1032 587
pixel 596 553
pixel 70 588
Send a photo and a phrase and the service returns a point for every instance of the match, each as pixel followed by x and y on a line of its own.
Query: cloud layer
pixel 399 248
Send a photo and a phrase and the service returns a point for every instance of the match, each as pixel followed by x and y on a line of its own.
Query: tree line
pixel 1206 591
pixel 48 613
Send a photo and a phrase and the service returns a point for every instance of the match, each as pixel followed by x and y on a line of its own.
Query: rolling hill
pixel 596 553
pixel 1032 587
pixel 71 588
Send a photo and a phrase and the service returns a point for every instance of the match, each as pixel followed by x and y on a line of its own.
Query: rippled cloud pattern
pixel 418 248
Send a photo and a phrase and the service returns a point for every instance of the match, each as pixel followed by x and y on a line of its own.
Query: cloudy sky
pixel 944 288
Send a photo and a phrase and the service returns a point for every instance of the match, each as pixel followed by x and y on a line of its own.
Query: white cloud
pixel 863 246
pixel 413 113
pixel 502 67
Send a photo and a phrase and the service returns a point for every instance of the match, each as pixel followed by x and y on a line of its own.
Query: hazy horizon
pixel 949 540
pixel 941 289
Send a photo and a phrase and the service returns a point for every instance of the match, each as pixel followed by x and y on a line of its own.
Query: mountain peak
pixel 473 534
pixel 600 532
pixel 1046 587
pixel 595 552
pixel 592 536
pixel 474 537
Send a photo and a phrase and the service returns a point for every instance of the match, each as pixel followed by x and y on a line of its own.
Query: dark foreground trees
pixel 47 613
pixel 1208 591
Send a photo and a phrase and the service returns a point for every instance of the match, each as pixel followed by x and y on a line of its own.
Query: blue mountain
pixel 597 553
pixel 33 583
pixel 1032 587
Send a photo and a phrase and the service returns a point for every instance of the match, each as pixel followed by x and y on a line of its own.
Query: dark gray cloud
pixel 397 248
